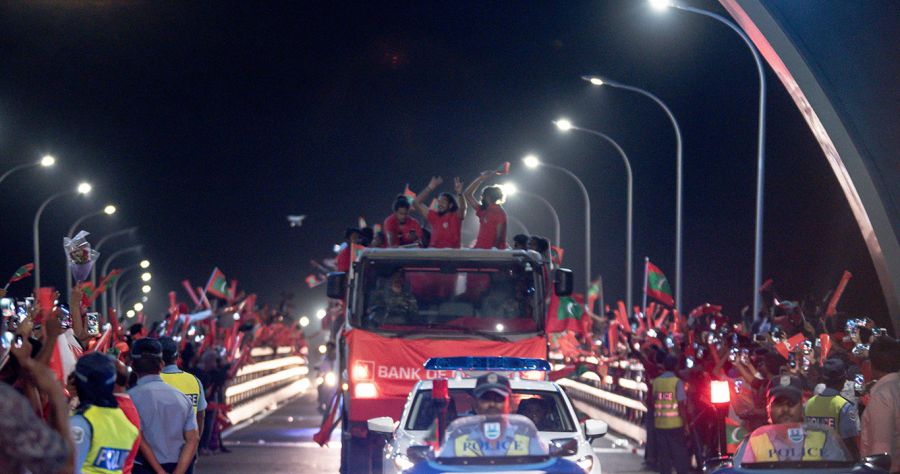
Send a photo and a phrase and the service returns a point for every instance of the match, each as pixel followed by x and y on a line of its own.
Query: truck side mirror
pixel 337 285
pixel 563 281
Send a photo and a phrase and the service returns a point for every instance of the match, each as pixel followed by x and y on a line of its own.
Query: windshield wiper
pixel 467 330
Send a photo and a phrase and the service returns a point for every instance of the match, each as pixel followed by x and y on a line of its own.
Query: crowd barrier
pixel 274 376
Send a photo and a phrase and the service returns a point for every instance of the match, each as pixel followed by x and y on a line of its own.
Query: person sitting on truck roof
pixel 446 220
pixel 491 216
pixel 520 242
pixel 400 228
pixel 394 304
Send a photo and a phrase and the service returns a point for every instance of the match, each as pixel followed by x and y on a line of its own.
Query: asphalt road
pixel 281 442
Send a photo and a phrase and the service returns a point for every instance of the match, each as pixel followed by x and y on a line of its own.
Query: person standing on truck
pixel 351 236
pixel 491 216
pixel 399 228
pixel 446 220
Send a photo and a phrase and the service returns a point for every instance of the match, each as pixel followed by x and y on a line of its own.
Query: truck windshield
pixel 433 297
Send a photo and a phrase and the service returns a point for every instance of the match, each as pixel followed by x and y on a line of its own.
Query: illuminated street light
pixel 109 209
pixel 145 289
pixel 146 276
pixel 660 5
pixel 145 264
pixel 138 306
pixel 760 150
pixel 565 126
pixel 322 348
pixel 678 171
pixel 304 321
pixel 83 188
pixel 130 313
pixel 47 161
pixel 509 189
pixel 321 313
pixel 533 162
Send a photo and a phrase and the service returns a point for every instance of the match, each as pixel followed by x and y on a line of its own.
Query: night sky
pixel 208 122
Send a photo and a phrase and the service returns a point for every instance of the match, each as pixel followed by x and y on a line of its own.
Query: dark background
pixel 208 122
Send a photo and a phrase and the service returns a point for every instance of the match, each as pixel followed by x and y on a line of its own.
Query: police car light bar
pixel 500 364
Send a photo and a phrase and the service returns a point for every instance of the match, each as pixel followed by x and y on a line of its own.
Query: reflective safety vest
pixel 665 403
pixel 185 383
pixel 825 411
pixel 112 437
pixel 467 446
pixel 764 451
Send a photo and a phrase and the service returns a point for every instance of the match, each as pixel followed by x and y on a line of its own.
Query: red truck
pixel 405 306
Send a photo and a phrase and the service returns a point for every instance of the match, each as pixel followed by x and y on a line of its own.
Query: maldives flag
pixel 734 434
pixel 657 285
pixel 311 281
pixel 410 195
pixel 593 295
pixel 565 313
pixel 503 169
pixel 217 284
pixel 23 272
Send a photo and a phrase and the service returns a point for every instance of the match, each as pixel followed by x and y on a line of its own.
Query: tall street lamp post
pixel 47 161
pixel 598 81
pixel 564 126
pixel 760 146
pixel 542 199
pixel 83 188
pixel 532 161
pixel 133 248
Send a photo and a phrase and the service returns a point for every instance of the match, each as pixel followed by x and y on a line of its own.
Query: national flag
pixel 503 169
pixel 217 284
pixel 88 289
pixel 565 313
pixel 593 295
pixel 556 255
pixel 409 193
pixel 312 281
pixel 825 341
pixel 23 272
pixel 734 434
pixel 658 286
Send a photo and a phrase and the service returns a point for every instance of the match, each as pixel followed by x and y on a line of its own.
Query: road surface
pixel 281 442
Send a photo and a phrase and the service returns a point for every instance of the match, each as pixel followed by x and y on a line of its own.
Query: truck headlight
pixel 330 379
pixel 586 463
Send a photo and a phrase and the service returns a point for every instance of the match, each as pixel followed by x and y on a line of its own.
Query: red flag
pixel 311 281
pixel 622 316
pixel 825 341
pixel 217 285
pixel 658 285
pixel 409 193
pixel 503 169
pixel 190 291
pixel 23 272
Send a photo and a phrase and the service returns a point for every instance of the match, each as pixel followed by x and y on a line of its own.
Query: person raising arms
pixel 491 217
pixel 446 220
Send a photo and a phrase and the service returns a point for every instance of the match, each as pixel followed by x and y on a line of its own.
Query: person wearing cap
pixel 184 382
pixel 669 419
pixel 170 433
pixel 492 392
pixel 831 409
pixel 102 434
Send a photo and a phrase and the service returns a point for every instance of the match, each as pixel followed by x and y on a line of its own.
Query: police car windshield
pixel 448 297
pixel 492 437
pixel 793 444
pixel 546 409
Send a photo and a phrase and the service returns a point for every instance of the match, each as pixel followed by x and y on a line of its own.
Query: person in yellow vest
pixel 184 382
pixel 787 438
pixel 669 420
pixel 102 434
pixel 830 409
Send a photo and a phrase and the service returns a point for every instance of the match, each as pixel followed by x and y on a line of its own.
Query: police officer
pixel 168 424
pixel 669 419
pixel 101 432
pixel 184 382
pixel 831 409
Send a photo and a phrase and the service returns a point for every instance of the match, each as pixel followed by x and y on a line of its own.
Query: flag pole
pixel 646 265
pixel 602 302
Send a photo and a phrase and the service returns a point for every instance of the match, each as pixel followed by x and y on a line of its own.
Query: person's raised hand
pixel 458 185
pixel 435 182
pixel 487 173
pixel 21 350
pixel 26 325
pixel 75 296
pixel 52 326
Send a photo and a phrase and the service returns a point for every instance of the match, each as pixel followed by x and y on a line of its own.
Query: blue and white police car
pixel 542 402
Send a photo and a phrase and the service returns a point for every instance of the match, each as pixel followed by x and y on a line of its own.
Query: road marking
pixel 284 444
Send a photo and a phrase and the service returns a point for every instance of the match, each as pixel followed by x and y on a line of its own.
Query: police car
pixel 795 448
pixel 543 402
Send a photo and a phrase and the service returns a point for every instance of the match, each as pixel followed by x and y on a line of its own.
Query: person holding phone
pixel 400 228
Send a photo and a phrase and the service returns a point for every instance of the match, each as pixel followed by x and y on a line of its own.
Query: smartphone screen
pixel 7 307
pixel 65 318
pixel 93 323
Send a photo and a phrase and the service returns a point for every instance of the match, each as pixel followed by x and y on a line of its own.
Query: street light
pixel 145 264
pixel 598 81
pixel 46 162
pixel 146 276
pixel 760 146
pixel 83 188
pixel 564 126
pixel 510 189
pixel 108 210
pixel 130 313
pixel 660 5
pixel 532 162
pixel 104 270
pixel 139 306
pixel 145 289
pixel 321 313
pixel 100 243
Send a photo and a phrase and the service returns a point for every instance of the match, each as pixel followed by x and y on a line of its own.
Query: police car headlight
pixel 586 463
pixel 330 379
pixel 402 462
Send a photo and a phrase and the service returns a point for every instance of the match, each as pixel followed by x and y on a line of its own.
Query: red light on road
pixel 720 392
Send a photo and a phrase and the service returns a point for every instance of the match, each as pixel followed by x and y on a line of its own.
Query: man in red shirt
pixel 446 220
pixel 343 260
pixel 491 217
pixel 400 228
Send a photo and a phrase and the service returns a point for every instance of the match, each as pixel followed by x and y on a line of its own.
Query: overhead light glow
pixel 84 188
pixel 322 348
pixel 145 264
pixel 236 316
pixel 47 161
pixel 304 321
pixel 660 5
pixel 509 189
pixel 321 313
pixel 145 288
pixel 146 276
pixel 139 306
pixel 130 313
pixel 563 125
pixel 109 209
pixel 593 80
pixel 531 161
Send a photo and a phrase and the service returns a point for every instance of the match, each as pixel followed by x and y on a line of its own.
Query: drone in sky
pixel 296 221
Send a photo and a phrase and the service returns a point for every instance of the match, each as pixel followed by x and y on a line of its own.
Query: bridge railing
pixel 275 375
